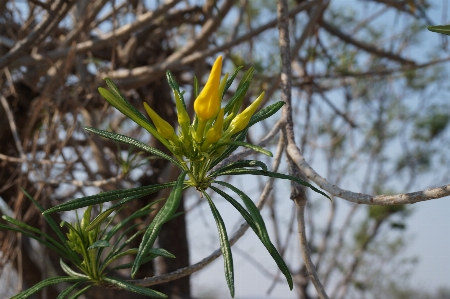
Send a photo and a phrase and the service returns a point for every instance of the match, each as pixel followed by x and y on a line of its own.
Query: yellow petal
pixel 207 104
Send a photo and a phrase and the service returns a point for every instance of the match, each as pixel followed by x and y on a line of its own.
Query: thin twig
pixel 13 126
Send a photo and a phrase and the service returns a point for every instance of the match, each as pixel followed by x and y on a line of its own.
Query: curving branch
pixel 397 199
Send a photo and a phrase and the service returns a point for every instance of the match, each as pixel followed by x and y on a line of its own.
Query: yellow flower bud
pixel 163 127
pixel 215 132
pixel 207 104
pixel 241 121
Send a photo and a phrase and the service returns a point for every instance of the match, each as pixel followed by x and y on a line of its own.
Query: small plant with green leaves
pixel 197 149
pixel 89 248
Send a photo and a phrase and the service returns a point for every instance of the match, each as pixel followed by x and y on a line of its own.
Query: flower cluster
pixel 205 138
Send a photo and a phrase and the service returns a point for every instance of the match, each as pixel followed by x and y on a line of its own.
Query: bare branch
pixel 306 254
pixel 368 48
pixel 13 126
pixel 397 199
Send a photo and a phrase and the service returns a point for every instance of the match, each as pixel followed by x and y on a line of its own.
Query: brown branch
pixel 397 199
pixel 363 46
pixel 297 193
pixel 48 23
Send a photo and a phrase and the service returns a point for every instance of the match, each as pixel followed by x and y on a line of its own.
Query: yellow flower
pixel 241 121
pixel 163 127
pixel 207 104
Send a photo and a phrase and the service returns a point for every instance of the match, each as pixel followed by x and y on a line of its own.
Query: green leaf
pixel 240 137
pixel 107 196
pixel 248 145
pixel 247 78
pixel 134 142
pixel 265 113
pixel 175 87
pixel 444 29
pixel 240 164
pixel 153 253
pixel 69 252
pixel 40 240
pixel 236 100
pixel 274 175
pixel 35 230
pixel 133 288
pixel 224 245
pixel 116 99
pixel 71 272
pixel 261 231
pixel 231 79
pixel 102 217
pixel 77 294
pixel 162 217
pixel 99 244
pixel 70 289
pixel 246 215
pixel 45 283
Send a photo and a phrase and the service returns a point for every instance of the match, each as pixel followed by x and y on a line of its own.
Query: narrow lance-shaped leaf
pixel 240 164
pixel 224 245
pixel 69 290
pixel 133 288
pixel 274 175
pixel 45 283
pixel 262 231
pixel 248 145
pixel 74 256
pixel 163 216
pixel 107 196
pixel 134 142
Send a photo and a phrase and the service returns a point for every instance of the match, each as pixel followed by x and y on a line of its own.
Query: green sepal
pixel 166 212
pixel 133 288
pixel 45 283
pixel 107 196
pixel 259 227
pixel 224 245
pixel 131 141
